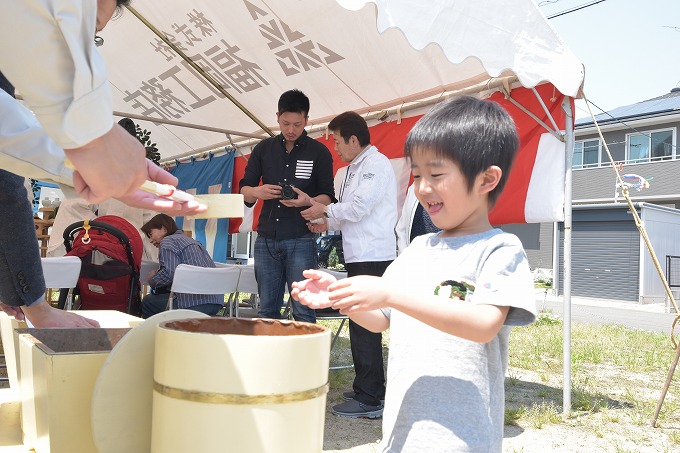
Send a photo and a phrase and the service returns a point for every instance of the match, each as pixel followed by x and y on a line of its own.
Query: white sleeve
pixel 25 149
pixel 405 221
pixel 373 183
pixel 48 54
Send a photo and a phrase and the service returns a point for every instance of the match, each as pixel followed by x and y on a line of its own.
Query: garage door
pixel 605 259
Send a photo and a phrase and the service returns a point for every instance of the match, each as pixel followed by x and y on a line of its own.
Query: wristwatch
pixel 325 213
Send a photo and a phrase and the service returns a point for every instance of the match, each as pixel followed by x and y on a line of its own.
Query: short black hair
pixel 120 4
pixel 351 123
pixel 128 125
pixel 473 133
pixel 159 221
pixel 294 101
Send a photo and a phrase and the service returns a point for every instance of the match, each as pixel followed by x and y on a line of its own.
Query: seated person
pixel 70 211
pixel 175 248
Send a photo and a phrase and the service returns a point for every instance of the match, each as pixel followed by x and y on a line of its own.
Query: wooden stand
pixel 42 229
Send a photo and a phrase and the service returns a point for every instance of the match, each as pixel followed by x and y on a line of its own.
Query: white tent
pixel 345 55
pixel 209 74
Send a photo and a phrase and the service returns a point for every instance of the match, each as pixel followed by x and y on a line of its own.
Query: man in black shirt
pixel 285 246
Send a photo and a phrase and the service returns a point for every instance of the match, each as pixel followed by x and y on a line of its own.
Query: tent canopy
pixel 379 58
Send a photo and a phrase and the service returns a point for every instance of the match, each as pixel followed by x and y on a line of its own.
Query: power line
pixel 576 8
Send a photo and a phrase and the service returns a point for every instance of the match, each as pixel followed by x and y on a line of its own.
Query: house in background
pixel 608 258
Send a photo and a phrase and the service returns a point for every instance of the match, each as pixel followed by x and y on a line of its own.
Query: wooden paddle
pixel 220 206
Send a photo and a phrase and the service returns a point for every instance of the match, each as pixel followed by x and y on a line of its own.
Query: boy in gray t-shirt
pixel 450 298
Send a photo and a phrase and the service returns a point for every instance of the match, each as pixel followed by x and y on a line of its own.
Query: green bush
pixel 333 259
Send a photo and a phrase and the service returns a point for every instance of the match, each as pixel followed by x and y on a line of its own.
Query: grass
pixel 617 378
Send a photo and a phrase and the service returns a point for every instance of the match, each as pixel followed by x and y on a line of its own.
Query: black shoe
pixel 355 409
pixel 349 396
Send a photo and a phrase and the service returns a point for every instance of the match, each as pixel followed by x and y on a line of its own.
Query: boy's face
pixel 442 189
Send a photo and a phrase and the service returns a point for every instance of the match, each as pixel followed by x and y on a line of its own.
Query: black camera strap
pixel 344 184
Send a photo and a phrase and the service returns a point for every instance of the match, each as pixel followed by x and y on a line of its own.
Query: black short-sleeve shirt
pixel 308 166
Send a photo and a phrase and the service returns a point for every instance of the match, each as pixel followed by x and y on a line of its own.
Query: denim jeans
pixel 278 263
pixel 153 304
pixel 156 303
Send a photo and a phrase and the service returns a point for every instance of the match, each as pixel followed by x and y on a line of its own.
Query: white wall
pixel 663 229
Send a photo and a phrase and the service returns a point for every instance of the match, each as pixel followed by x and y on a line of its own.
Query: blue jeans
pixel 156 303
pixel 278 263
pixel 153 304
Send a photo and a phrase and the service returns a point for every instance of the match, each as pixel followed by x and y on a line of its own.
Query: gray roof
pixel 668 103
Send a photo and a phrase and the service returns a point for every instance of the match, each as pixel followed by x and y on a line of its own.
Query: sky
pixel 629 48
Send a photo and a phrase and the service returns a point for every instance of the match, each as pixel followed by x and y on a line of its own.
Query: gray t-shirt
pixel 444 393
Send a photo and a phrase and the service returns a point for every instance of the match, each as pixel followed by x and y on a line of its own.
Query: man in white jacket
pixel 366 213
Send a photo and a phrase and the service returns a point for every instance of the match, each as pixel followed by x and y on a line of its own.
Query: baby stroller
pixel 110 250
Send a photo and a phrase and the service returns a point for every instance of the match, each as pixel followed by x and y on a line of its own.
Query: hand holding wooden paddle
pixel 167 198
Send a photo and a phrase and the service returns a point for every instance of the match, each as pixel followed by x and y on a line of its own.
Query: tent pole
pixel 545 109
pixel 493 84
pixel 555 132
pixel 566 347
pixel 187 125
pixel 200 70
pixel 557 283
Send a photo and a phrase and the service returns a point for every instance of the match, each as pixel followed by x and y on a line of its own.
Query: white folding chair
pixel 246 284
pixel 203 280
pixel 62 272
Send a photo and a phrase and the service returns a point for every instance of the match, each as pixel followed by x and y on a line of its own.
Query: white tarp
pixel 345 55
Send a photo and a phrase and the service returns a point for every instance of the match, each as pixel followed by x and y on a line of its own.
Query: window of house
pixel 586 154
pixel 651 146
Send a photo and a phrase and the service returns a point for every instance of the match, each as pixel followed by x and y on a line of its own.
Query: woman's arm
pixel 168 262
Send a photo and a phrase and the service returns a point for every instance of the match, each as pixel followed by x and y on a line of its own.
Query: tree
pixel 144 137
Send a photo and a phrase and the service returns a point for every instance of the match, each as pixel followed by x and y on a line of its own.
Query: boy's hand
pixel 357 294
pixel 313 292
